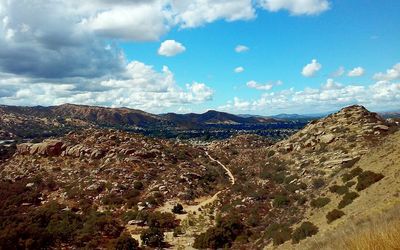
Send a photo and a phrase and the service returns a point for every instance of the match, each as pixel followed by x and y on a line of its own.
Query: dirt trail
pixel 224 167
pixel 194 213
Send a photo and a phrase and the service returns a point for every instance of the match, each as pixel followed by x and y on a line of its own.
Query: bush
pixel 350 184
pixel 366 179
pixel 138 185
pixel 334 215
pixel 279 233
pixel 318 183
pixel 126 242
pixel 320 202
pixel 353 173
pixel 177 209
pixel 220 236
pixel 347 199
pixel 339 189
pixel 281 201
pixel 307 229
pixel 152 237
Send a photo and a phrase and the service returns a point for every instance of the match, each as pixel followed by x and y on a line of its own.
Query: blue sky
pixel 282 37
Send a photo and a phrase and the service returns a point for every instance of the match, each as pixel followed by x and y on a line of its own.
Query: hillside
pixel 244 192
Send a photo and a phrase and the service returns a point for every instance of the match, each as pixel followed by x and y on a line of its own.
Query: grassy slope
pixel 372 221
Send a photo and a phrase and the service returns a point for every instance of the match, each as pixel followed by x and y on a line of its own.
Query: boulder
pixel 328 138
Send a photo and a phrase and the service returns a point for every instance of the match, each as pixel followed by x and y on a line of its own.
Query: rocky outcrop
pixel 45 148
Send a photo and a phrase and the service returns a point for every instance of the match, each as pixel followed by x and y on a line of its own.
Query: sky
pixel 240 56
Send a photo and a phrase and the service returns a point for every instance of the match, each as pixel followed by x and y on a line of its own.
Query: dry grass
pixel 380 233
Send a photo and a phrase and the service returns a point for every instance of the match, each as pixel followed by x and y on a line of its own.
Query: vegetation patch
pixel 334 215
pixel 366 179
pixel 307 229
pixel 347 199
pixel 339 189
pixel 350 175
pixel 278 233
pixel 320 202
pixel 281 201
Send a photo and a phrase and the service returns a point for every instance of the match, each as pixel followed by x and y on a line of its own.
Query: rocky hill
pixel 95 187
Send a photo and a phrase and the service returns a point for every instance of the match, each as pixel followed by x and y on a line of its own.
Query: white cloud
pixel 195 13
pixel 331 84
pixel 258 86
pixel 339 72
pixel 382 95
pixel 391 74
pixel 140 87
pixel 356 72
pixel 311 69
pixel 297 7
pixel 239 69
pixel 241 48
pixel 171 48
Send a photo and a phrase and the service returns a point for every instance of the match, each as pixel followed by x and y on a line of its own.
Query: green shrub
pixel 366 179
pixel 307 229
pixel 220 236
pixel 138 185
pixel 350 183
pixel 152 237
pixel 126 242
pixel 334 215
pixel 347 199
pixel 281 201
pixel 339 189
pixel 318 183
pixel 350 175
pixel 320 202
pixel 177 209
pixel 278 233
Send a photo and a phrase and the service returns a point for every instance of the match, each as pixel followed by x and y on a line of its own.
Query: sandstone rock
pixel 328 138
pixel 382 127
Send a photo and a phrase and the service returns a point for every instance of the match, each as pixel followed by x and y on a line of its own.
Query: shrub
pixel 350 184
pixel 279 233
pixel 138 185
pixel 126 242
pixel 177 209
pixel 320 202
pixel 281 201
pixel 152 237
pixel 347 199
pixel 220 236
pixel 334 215
pixel 366 179
pixel 307 229
pixel 339 189
pixel 318 183
pixel 353 173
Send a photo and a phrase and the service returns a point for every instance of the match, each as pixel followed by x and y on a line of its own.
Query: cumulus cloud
pixel 391 74
pixel 311 69
pixel 356 72
pixel 171 48
pixel 195 13
pixel 140 86
pixel 266 86
pixel 296 7
pixel 239 69
pixel 339 72
pixel 331 96
pixel 241 48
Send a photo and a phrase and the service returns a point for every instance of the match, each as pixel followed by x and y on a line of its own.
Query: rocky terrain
pixel 107 188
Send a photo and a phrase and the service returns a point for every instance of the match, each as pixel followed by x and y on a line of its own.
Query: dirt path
pixel 197 218
pixel 224 167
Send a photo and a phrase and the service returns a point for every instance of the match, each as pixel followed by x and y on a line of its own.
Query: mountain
pixel 56 120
